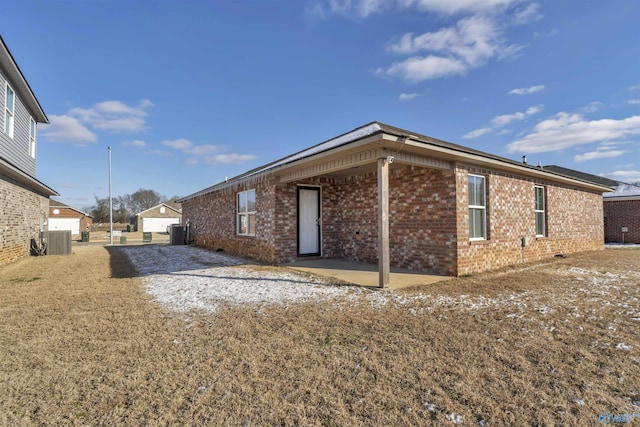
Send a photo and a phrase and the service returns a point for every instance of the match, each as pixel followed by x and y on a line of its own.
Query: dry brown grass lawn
pixel 523 346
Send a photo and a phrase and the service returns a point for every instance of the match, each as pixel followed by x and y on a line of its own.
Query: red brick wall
pixel 21 213
pixel 574 221
pixel 428 220
pixel 421 221
pixel 213 222
pixel 622 213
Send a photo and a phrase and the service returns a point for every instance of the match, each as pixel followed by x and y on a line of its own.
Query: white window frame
pixel 9 114
pixel 244 214
pixel 540 213
pixel 33 131
pixel 475 207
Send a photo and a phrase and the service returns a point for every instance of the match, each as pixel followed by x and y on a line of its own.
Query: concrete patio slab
pixel 365 274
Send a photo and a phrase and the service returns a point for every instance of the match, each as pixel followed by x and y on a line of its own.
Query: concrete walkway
pixel 365 274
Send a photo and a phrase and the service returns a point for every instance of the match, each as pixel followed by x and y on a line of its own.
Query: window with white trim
pixel 477 208
pixel 246 216
pixel 32 137
pixel 9 108
pixel 541 229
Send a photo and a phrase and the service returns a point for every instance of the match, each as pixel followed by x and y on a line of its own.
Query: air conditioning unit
pixel 58 242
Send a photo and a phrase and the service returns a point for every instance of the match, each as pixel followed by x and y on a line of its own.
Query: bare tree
pixel 124 207
pixel 100 211
pixel 139 201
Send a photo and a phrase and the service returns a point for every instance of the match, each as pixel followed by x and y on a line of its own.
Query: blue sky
pixel 189 92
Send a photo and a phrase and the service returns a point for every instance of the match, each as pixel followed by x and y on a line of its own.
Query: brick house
pixel 24 201
pixel 622 214
pixel 621 206
pixel 389 196
pixel 65 217
pixel 158 218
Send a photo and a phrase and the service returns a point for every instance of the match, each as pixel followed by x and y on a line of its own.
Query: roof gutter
pixel 496 162
pixel 16 174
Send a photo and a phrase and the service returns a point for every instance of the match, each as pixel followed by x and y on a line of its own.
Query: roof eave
pixel 20 84
pixel 458 153
pixel 156 206
pixel 16 174
pixel 442 149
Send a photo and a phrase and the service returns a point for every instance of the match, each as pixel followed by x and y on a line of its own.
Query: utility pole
pixel 110 203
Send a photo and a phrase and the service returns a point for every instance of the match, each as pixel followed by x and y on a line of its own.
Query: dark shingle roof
pixel 600 180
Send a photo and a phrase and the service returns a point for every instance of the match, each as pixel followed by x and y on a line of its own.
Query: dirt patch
pixel 553 343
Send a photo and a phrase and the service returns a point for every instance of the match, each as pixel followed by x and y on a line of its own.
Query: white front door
pixel 309 221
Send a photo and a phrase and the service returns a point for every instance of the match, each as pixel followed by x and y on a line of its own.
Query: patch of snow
pixel 184 278
pixel 455 418
pixel 578 402
pixel 545 310
pixel 431 407
pixel 623 346
pixel 622 246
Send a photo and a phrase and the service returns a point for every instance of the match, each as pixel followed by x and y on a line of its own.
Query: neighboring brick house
pixel 64 217
pixel 622 214
pixel 24 201
pixel 386 195
pixel 621 206
pixel 158 218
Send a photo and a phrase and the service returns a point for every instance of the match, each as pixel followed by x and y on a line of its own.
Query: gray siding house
pixel 24 201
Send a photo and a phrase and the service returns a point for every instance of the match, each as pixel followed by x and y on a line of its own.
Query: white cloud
pixel 625 176
pixel 189 147
pixel 505 119
pixel 68 129
pixel 455 6
pixel 526 90
pixel 205 152
pixel 530 13
pixel 454 50
pixel 568 130
pixel 417 69
pixel 476 133
pixel 633 101
pixel 178 144
pixel 138 143
pixel 592 107
pixel 365 8
pixel 408 96
pixel 634 87
pixel 474 40
pixel 357 8
pixel 228 158
pixel 594 155
pixel 114 116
